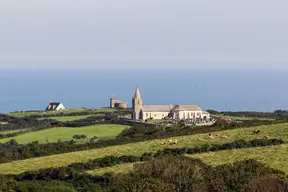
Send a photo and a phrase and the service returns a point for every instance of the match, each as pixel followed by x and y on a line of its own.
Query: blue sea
pixel 218 89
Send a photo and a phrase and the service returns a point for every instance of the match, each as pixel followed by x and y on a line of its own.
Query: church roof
pixel 137 94
pixel 189 107
pixel 156 108
pixel 168 108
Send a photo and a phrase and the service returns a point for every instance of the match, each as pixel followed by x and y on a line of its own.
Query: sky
pixel 129 33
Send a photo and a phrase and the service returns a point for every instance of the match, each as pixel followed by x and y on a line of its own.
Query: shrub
pixel 52 186
pixel 267 184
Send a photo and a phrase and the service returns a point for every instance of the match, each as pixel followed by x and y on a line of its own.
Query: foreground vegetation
pixel 275 131
pixel 121 168
pixel 163 174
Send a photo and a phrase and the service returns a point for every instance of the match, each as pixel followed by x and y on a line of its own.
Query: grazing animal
pixel 224 136
pixel 200 139
pixel 256 131
pixel 174 142
pixel 211 137
pixel 163 143
pixel 267 137
pixel 217 135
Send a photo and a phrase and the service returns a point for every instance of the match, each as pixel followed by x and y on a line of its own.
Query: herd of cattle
pixel 210 136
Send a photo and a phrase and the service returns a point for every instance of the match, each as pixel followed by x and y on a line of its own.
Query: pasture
pixel 66 134
pixel 275 131
pixel 271 156
pixel 241 118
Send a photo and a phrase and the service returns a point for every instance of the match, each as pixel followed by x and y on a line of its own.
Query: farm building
pixel 54 106
pixel 143 112
pixel 118 104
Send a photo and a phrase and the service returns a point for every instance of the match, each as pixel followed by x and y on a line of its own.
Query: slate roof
pixel 168 108
pixel 52 106
pixel 156 108
pixel 188 107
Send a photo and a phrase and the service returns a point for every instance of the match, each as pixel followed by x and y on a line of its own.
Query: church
pixel 143 112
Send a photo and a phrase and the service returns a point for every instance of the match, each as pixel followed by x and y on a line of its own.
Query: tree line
pixel 277 114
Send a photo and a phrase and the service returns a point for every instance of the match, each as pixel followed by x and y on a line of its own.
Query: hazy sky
pixel 188 32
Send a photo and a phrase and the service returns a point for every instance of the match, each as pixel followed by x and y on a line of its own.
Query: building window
pixel 147 114
pixel 155 115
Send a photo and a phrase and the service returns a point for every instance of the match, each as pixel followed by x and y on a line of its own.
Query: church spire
pixel 137 93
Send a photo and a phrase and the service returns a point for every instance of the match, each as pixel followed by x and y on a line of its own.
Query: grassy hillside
pixel 241 118
pixel 70 118
pixel 66 134
pixel 277 131
pixel 272 156
pixel 66 111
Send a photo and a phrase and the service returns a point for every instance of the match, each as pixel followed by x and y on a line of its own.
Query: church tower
pixel 137 105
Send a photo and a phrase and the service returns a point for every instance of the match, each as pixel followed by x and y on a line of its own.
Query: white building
pixel 144 112
pixel 54 106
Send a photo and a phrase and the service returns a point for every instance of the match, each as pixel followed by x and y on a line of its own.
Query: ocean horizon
pixel 217 89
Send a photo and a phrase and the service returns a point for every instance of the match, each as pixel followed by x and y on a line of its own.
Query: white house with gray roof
pixel 54 106
pixel 186 111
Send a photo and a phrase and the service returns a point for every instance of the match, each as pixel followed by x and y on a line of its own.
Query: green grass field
pixel 265 155
pixel 70 118
pixel 275 131
pixel 241 118
pixel 66 134
pixel 66 111
pixel 272 156
pixel 122 168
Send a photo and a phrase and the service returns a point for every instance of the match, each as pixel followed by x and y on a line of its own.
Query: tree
pixel 83 136
pixel 76 137
pixel 13 142
pixel 93 139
